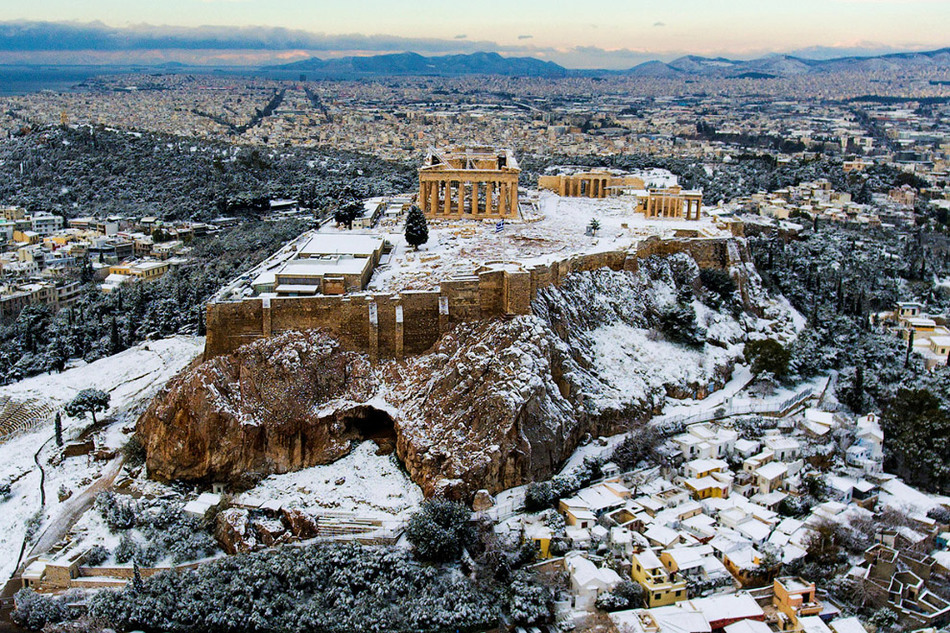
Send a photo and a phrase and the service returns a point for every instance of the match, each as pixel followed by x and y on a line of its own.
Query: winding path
pixel 74 508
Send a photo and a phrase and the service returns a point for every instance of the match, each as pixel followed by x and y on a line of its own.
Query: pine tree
pixel 58 427
pixel 417 229
pixel 90 401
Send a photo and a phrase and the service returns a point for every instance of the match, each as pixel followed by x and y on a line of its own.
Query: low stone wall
pixel 387 325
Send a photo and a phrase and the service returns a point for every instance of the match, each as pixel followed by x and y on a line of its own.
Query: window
pixel 679 592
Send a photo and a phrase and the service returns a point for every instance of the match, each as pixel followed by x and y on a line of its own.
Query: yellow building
pixel 472 182
pixel 707 487
pixel 660 587
pixel 540 535
pixel 143 271
pixel 26 237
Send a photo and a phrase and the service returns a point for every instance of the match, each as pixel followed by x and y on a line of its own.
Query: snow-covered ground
pixel 370 486
pixel 557 229
pixel 634 363
pixel 127 376
pixel 131 378
pixel 554 228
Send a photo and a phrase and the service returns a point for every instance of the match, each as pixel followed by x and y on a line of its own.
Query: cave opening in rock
pixel 369 423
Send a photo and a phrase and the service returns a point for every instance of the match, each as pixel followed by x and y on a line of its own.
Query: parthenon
pixel 472 182
pixel 589 184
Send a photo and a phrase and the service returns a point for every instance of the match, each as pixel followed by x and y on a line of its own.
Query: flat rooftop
pixel 340 244
pixel 315 267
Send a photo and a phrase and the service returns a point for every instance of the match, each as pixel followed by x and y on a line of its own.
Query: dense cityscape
pixel 508 348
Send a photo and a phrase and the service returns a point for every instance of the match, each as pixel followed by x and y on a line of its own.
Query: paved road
pixel 74 508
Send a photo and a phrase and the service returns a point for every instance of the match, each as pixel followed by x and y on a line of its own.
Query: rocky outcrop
pixel 494 404
pixel 274 406
pixel 234 531
pixel 301 524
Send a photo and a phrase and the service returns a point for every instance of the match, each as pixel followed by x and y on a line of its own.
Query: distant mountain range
pixel 788 65
pixel 684 67
pixel 415 64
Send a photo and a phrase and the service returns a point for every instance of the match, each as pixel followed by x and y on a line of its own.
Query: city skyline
pixel 609 34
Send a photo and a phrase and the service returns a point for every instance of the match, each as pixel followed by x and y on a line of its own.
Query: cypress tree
pixel 910 348
pixel 417 229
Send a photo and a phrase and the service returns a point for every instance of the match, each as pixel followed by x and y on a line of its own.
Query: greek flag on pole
pixel 499 226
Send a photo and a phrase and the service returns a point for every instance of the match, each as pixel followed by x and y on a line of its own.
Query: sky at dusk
pixel 592 34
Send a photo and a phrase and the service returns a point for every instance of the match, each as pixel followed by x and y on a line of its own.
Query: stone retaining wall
pixel 388 325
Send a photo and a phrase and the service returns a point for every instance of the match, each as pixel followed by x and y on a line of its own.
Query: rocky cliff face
pixel 274 406
pixel 493 405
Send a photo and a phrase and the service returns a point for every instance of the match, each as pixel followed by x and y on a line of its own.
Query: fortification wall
pixel 387 325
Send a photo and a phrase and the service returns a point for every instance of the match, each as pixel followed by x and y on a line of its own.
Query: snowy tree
pixel 917 427
pixel 767 356
pixel 96 555
pixel 127 549
pixel 58 429
pixel 417 229
pixel 119 514
pixel 34 611
pixel 440 530
pixel 529 604
pixel 678 321
pixel 626 595
pixel 89 401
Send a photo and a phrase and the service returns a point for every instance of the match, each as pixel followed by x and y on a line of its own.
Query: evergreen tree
pixel 58 428
pixel 767 356
pixel 137 585
pixel 417 229
pixel 90 401
pixel 854 395
pixel 115 343
pixel 917 426
pixel 438 532
pixel 910 348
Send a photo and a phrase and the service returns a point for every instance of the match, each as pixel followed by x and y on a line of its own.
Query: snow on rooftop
pixel 340 244
pixel 748 626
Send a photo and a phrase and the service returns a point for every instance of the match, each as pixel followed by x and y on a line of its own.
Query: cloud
pixel 659 24
pixel 525 37
pixel 23 36
pixel 461 37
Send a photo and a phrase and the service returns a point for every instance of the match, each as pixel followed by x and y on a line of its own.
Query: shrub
pixel 331 588
pixel 34 610
pixel 96 555
pixel 127 549
pixel 940 514
pixel 718 282
pixel 134 452
pixel 637 447
pixel 626 595
pixel 439 531
pixel 529 604
pixel 118 514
